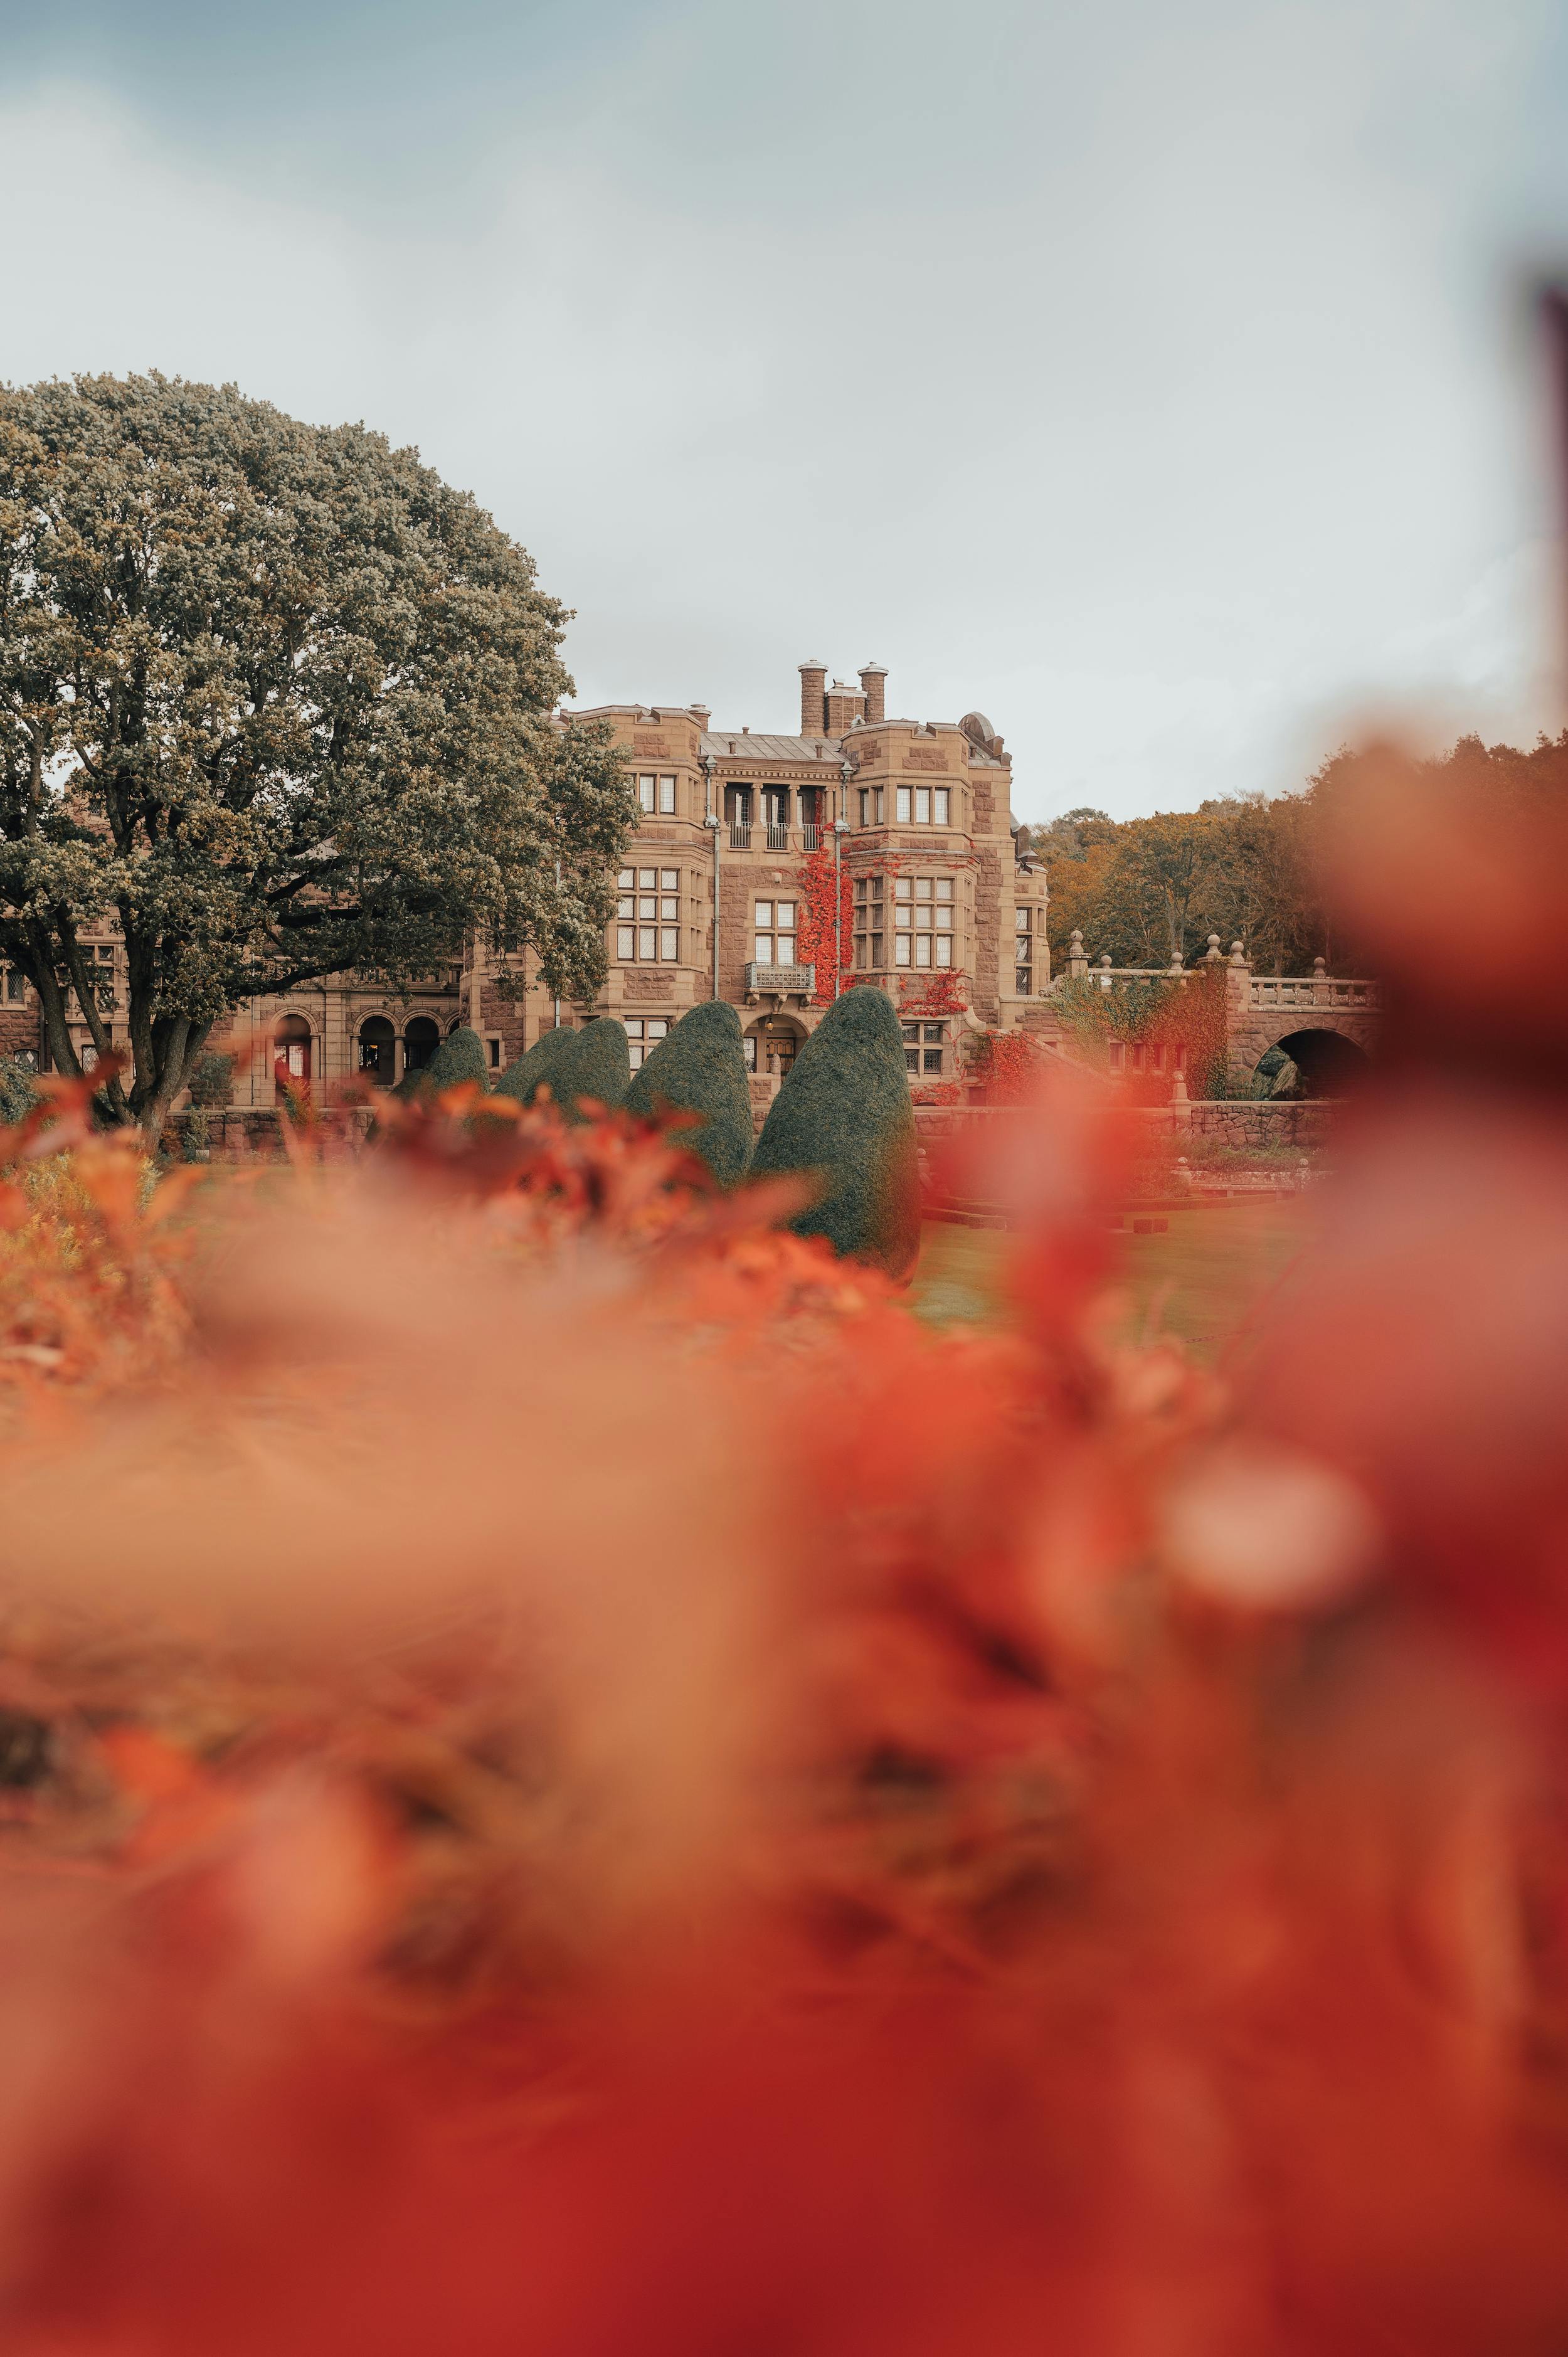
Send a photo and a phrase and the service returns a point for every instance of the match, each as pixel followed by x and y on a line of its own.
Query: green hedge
pixel 522 1080
pixel 701 1068
pixel 598 1064
pixel 844 1114
pixel 457 1058
pixel 213 1082
pixel 18 1089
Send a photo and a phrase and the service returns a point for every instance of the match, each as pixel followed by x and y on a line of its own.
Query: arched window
pixel 377 1050
pixel 291 1050
pixel 420 1040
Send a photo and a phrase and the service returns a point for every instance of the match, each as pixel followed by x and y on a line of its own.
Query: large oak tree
pixel 276 700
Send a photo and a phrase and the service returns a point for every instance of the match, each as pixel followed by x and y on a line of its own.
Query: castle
pixel 739 841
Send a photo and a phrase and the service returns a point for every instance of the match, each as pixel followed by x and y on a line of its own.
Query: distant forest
pixel 1147 889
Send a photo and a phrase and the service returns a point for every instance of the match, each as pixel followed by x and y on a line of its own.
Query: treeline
pixel 1248 869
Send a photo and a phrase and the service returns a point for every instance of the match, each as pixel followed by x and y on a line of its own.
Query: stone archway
pixel 421 1039
pixel 377 1050
pixel 1314 1061
pixel 292 1058
pixel 772 1044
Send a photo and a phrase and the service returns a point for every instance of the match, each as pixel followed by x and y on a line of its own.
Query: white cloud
pixel 1164 440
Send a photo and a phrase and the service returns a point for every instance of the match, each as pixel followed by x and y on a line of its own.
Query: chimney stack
pixel 813 699
pixel 874 685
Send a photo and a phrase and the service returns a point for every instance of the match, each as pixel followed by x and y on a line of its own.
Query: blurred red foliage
pixel 574 1779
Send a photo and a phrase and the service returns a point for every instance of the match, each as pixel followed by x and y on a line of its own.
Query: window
pixel 1024 973
pixel 657 794
pixel 774 932
pixel 16 986
pixel 923 1046
pixel 868 906
pixel 923 805
pixel 871 806
pixel 923 921
pixel 495 1048
pixel 643 1033
pixel 647 916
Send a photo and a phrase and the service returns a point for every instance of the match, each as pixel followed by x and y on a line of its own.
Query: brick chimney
pixel 874 688
pixel 845 706
pixel 813 698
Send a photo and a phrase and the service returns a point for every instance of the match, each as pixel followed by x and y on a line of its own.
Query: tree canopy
pixel 1149 890
pixel 1253 869
pixel 276 702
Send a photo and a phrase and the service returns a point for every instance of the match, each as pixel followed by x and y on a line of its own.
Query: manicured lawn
pixel 1200 1281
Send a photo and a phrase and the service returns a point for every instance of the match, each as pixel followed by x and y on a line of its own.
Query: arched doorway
pixel 772 1043
pixel 420 1040
pixel 291 1057
pixel 1312 1063
pixel 377 1050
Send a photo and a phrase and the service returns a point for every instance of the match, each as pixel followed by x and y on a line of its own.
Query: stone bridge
pixel 1326 1024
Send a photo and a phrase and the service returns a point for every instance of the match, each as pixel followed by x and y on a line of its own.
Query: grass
pixel 1200 1281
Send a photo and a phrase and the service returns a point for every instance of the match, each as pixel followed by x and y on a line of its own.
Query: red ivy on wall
pixel 943 991
pixel 1008 1066
pixel 814 933
pixel 939 992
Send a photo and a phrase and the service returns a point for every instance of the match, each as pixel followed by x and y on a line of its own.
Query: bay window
pixel 647 916
pixel 923 921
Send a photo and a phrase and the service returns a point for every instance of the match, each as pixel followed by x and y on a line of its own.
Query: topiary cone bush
pixel 844 1112
pixel 598 1064
pixel 457 1058
pixel 701 1068
pixel 522 1080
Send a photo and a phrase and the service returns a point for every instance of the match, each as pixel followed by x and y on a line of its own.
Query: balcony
pixel 810 838
pixel 778 838
pixel 781 981
pixel 740 835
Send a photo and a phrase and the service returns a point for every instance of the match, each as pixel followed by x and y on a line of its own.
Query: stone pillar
pixel 874 685
pixel 1077 957
pixel 813 699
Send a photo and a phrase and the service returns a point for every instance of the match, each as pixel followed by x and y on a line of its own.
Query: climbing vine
pixel 1160 1011
pixel 1007 1065
pixel 814 933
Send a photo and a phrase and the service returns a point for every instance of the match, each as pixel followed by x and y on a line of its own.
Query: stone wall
pixel 1222 1121
pixel 1237 1122
pixel 247 1133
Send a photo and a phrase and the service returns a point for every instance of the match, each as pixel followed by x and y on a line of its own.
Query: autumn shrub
pixel 842 1118
pixel 900 1842
pixel 701 1068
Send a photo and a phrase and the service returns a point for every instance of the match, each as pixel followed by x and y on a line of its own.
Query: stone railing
pixel 1318 988
pixel 745 834
pixel 780 979
pixel 1310 990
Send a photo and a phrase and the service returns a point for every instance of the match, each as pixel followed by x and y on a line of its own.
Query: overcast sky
pixel 1148 373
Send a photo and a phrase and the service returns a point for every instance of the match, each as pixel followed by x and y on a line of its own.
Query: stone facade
pixel 728 818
